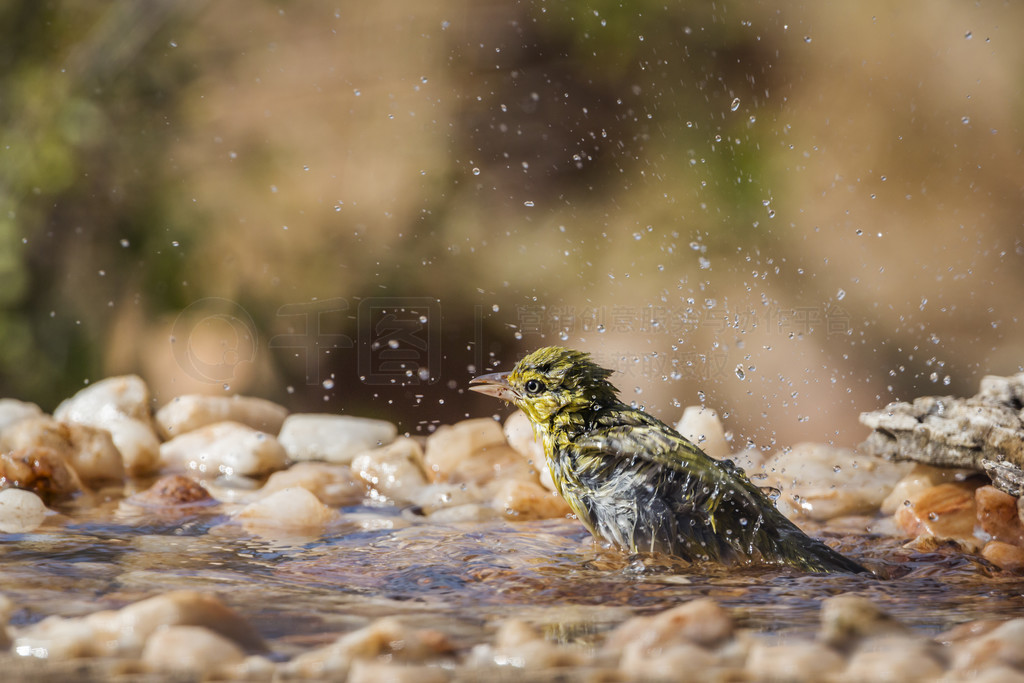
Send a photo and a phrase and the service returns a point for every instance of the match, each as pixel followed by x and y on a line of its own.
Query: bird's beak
pixel 494 384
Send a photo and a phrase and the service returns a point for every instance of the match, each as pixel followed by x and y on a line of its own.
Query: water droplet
pixel 357 92
pixel 328 384
pixel 563 335
pixel 933 517
pixel 528 203
pixel 739 372
pixel 840 295
pixel 476 171
pixel 807 39
pixel 125 243
pixel 735 104
pixel 968 35
pixel 965 120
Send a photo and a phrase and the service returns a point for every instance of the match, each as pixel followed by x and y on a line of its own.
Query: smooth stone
pixel 292 508
pixel 702 427
pixel 192 411
pixel 40 470
pixel 918 479
pixel 1005 556
pixel 333 438
pixel 173 490
pixel 20 511
pixel 89 450
pixel 191 649
pixel 520 646
pixel 451 444
pixel 848 619
pixel 946 511
pixel 385 637
pixel 433 497
pixel 124 632
pixel 332 484
pixel 700 622
pixel 494 463
pixel 121 405
pixel 468 512
pixel 518 499
pixel 395 472
pixel 13 411
pixel 894 659
pixel 798 661
pixel 821 482
pixel 226 448
pixel 1003 645
pixel 364 671
pixel 998 515
pixel 520 436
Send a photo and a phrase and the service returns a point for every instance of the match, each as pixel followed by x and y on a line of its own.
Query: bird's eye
pixel 532 386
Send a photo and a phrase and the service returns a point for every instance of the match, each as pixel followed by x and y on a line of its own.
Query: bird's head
pixel 548 382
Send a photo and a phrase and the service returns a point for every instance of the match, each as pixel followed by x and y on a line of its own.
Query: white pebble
pixel 702 426
pixel 395 471
pixel 13 411
pixel 192 411
pixel 20 511
pixel 292 508
pixel 333 438
pixel 226 448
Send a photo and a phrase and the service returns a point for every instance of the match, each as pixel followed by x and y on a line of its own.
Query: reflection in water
pixel 461 578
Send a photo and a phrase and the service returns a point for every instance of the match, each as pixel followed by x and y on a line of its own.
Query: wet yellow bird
pixel 639 484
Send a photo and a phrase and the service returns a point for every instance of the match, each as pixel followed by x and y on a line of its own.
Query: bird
pixel 638 484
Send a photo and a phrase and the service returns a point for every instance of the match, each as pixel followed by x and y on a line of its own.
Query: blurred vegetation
pixel 791 214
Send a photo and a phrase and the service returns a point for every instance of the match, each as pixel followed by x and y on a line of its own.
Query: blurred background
pixel 789 212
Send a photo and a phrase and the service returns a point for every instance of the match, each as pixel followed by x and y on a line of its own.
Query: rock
pixel 797 661
pixel 121 405
pixel 224 448
pixel 518 645
pixel 189 649
pixel 998 515
pixel 495 463
pixel 394 472
pixel 173 490
pixel 334 438
pixel 898 659
pixel 1003 645
pixel 450 445
pixel 89 450
pixel 332 484
pixel 20 512
pixel 520 436
pixel 192 411
pixel 846 620
pixel 385 638
pixel 433 497
pixel 919 478
pixel 699 622
pixel 518 499
pixel 124 632
pixel 13 411
pixel 701 426
pixel 946 511
pixel 363 671
pixel 468 512
pixel 821 482
pixel 983 433
pixel 292 508
pixel 39 470
pixel 1005 556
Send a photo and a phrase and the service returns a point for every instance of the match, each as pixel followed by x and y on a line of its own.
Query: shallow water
pixel 463 579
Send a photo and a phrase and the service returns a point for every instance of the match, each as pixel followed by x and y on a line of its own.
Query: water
pixel 462 579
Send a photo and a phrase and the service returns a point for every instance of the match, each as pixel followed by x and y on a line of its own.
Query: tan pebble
pixel 998 516
pixel 946 511
pixel 519 646
pixel 40 470
pixel 192 411
pixel 434 497
pixel 470 512
pixel 821 482
pixel 919 478
pixel 797 661
pixel 1005 556
pixel 1003 645
pixel 225 448
pixel 89 450
pixel 332 484
pixel 517 499
pixel 701 621
pixel 680 662
pixel 333 438
pixel 701 426
pixel 173 490
pixel 191 649
pixel 290 508
pixel 490 464
pixel 451 444
pixel 395 472
pixel 384 672
pixel 20 511
pixel 848 619
pixel 520 436
pixel 895 660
